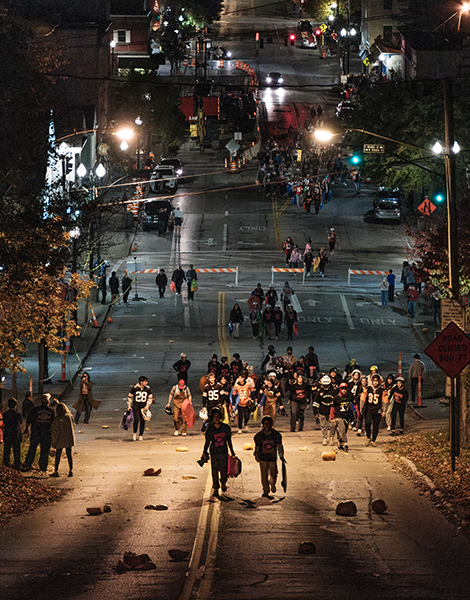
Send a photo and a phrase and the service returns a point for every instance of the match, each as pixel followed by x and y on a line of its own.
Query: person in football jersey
pixel 399 395
pixel 218 443
pixel 211 395
pixel 373 397
pixel 339 414
pixel 182 367
pixel 242 389
pixel 140 397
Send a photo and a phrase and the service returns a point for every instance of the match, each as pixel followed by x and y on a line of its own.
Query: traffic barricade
pixel 286 270
pixel 363 272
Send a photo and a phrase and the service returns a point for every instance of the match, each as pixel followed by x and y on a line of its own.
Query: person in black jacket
pixel 277 319
pixel 182 367
pixel 12 434
pixel 191 276
pixel 161 280
pixel 322 403
pixel 268 446
pixel 177 278
pixel 40 419
pixel 299 398
pixel 218 443
pixel 290 319
pixel 114 287
pixel 236 319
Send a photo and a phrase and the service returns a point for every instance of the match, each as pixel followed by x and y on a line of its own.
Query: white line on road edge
pixel 346 311
pixel 224 239
pixel 193 573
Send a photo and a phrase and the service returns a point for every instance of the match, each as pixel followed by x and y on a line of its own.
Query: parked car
pixel 387 205
pixel 151 210
pixel 273 79
pixel 163 179
pixel 174 162
pixel 309 40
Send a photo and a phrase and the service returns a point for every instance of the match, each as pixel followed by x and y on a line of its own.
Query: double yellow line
pixel 277 212
pixel 222 327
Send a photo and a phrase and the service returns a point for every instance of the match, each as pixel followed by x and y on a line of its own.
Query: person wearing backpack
pixel 178 394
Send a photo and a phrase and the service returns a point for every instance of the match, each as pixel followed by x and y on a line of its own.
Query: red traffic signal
pixel 317 32
pixel 292 37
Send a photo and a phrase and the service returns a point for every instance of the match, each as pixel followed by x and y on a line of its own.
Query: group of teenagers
pixel 233 392
pixel 339 401
pixel 311 260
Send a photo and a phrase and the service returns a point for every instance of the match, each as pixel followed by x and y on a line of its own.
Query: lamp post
pixel 347 34
pixel 451 149
pixel 138 122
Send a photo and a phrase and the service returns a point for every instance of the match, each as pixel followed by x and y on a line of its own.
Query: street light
pixel 347 34
pixel 464 9
pixel 138 122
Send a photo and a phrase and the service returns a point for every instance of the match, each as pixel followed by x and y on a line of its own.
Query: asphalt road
pixel 245 546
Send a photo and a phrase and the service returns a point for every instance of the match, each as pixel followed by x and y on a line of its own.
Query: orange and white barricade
pixel 363 272
pixel 286 270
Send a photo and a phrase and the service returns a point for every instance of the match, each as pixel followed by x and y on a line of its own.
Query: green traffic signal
pixel 440 197
pixel 356 159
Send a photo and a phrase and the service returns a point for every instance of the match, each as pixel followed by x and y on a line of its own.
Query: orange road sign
pixel 427 207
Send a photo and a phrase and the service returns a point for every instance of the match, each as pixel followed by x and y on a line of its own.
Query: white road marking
pixel 224 238
pixel 346 312
pixel 313 303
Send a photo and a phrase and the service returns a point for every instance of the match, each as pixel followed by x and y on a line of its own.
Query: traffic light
pixel 318 32
pixel 439 197
pixel 356 158
pixel 292 39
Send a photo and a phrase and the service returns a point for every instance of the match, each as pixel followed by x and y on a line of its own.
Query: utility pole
pixel 453 252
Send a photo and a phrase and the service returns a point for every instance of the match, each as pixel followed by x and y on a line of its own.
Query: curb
pixel 424 478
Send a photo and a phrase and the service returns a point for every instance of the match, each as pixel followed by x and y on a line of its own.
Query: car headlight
pixel 280 80
pixel 268 79
pixel 179 172
pixel 229 54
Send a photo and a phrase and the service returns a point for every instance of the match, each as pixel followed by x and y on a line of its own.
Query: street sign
pixel 103 149
pixel 427 207
pixel 452 310
pixel 380 148
pixel 232 146
pixel 450 350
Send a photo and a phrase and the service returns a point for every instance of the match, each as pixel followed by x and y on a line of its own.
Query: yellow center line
pixel 222 327
pixel 277 230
